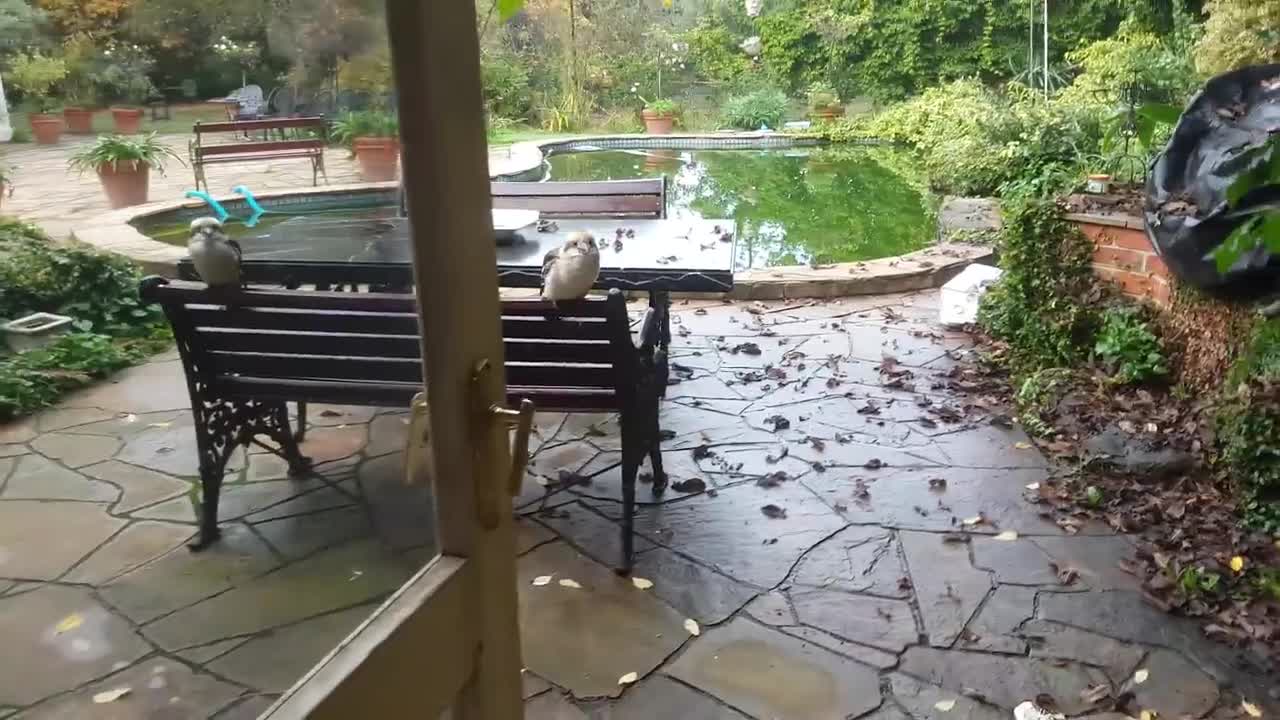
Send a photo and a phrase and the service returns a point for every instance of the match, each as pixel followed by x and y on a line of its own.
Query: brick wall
pixel 1123 255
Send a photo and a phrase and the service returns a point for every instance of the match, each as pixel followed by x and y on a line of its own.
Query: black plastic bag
pixel 1187 213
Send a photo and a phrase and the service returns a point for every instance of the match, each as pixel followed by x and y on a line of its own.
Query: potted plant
pixel 123 165
pixel 824 102
pixel 79 87
pixel 659 116
pixel 36 76
pixel 123 77
pixel 373 137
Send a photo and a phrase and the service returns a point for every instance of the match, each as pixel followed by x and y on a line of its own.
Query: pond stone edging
pixel 923 269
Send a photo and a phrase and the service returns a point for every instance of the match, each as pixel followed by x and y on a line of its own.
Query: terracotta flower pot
pixel 47 129
pixel 79 120
pixel 826 114
pixel 377 157
pixel 657 123
pixel 125 184
pixel 128 120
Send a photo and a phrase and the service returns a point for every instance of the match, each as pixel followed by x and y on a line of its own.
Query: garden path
pixel 46 193
pixel 868 589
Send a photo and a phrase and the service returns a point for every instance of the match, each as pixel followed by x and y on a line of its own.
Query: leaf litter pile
pixel 1137 460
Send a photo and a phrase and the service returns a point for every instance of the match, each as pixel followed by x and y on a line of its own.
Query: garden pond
pixel 791 206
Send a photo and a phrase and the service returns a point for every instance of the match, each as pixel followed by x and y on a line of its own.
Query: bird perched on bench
pixel 570 271
pixel 215 256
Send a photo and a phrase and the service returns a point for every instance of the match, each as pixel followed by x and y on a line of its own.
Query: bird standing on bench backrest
pixel 570 271
pixel 215 256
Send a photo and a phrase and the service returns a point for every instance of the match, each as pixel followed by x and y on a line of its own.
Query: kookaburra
pixel 570 271
pixel 215 256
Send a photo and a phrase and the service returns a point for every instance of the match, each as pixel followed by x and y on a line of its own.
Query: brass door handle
pixel 522 421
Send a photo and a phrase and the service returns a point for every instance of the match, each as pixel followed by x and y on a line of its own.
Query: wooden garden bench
pixel 246 359
pixel 645 198
pixel 246 150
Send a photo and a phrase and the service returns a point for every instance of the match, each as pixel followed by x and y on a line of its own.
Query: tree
pixel 1239 33
pixel 93 17
pixel 20 25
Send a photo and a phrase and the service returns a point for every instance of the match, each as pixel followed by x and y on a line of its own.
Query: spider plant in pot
pixel 124 165
pixel 373 137
pixel 37 76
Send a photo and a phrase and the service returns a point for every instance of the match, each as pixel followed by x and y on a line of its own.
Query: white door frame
pixel 449 638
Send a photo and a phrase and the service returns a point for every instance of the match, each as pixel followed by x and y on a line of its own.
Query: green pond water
pixel 797 206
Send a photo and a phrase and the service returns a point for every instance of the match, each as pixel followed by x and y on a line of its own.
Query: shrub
pixel 97 289
pixel 1248 428
pixel 100 290
pixel 38 77
pixel 37 378
pixel 974 141
pixel 506 85
pixel 1042 305
pixel 1127 348
pixel 1131 62
pixel 1038 396
pixel 752 110
pixel 714 52
pixel 1238 33
pixel 368 73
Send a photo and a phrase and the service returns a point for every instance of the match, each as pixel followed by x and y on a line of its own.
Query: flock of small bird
pixel 568 272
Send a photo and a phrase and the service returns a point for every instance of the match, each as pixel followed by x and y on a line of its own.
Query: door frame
pixel 448 640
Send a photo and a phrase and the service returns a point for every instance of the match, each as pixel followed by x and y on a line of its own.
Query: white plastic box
pixel 959 302
pixel 33 331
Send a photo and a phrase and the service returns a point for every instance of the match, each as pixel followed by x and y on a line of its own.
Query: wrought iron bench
pixel 645 198
pixel 246 359
pixel 309 148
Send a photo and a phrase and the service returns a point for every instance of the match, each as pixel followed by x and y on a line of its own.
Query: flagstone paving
pixel 835 544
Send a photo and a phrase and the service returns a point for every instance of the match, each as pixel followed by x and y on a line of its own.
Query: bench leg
pixel 278 429
pixel 630 467
pixel 655 456
pixel 301 434
pixel 210 488
pixel 221 427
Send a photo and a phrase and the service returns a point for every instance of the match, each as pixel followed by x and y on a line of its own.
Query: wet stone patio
pixel 836 548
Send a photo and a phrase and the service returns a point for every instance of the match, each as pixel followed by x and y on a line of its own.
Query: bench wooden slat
pixel 351 323
pixel 399 394
pixel 292 366
pixel 645 197
pixel 318 368
pixel 583 204
pixel 248 157
pixel 643 186
pixel 311 121
pixel 278 147
pixel 312 300
pixel 391 346
pixel 385 324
